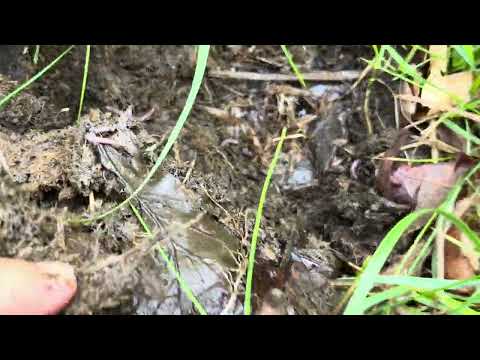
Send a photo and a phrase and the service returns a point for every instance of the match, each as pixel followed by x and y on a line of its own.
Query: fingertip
pixel 29 288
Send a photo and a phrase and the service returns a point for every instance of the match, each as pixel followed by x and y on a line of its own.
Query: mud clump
pixel 40 160
pixel 23 226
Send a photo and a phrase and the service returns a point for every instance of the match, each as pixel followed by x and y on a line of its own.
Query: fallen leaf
pixel 441 90
pixel 425 186
pixel 383 183
pixel 461 262
pixel 457 265
pixel 446 90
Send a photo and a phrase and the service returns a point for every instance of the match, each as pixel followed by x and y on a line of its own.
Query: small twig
pixel 230 307
pixel 366 109
pixel 397 116
pixel 345 75
pixel 344 300
pixel 361 77
pixel 289 137
pixel 289 90
pixel 190 169
pixel 440 249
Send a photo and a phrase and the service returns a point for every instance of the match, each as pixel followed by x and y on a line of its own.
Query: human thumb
pixel 28 288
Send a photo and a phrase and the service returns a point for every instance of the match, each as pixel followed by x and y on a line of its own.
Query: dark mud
pixel 322 210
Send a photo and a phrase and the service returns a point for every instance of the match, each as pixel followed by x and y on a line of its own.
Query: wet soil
pixel 322 213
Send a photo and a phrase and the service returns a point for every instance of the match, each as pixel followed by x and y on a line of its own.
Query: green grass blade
pixel 423 253
pixel 202 57
pixel 443 303
pixel 430 292
pixel 454 306
pixel 461 132
pixel 416 242
pixel 377 261
pixel 462 226
pixel 294 67
pixel 171 266
pixel 256 229
pixel 411 53
pixel 422 283
pixel 34 78
pixel 386 295
pixel 472 300
pixel 404 66
pixel 472 106
pixel 466 52
pixel 84 82
pixel 476 85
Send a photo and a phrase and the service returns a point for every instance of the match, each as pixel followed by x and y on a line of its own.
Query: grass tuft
pixel 420 288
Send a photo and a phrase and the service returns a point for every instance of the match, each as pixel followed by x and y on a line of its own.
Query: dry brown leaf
pixel 469 252
pixel 440 91
pixel 426 186
pixel 457 265
pixel 447 88
pixel 458 262
pixel 455 84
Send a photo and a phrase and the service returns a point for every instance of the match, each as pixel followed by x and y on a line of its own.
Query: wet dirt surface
pixel 322 211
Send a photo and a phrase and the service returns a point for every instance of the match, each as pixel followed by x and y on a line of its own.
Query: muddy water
pixel 322 209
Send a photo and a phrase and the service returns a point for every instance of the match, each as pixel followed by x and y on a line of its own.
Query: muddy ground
pixel 322 218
